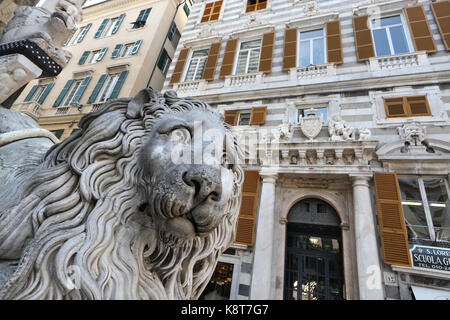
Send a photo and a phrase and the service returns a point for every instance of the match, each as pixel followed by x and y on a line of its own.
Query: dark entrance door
pixel 313 266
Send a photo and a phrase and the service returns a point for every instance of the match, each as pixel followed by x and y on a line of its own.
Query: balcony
pixel 239 80
pixel 399 61
pixel 190 87
pixel 30 108
pixel 312 72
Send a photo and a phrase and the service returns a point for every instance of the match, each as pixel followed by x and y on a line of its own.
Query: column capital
pixel 361 179
pixel 268 176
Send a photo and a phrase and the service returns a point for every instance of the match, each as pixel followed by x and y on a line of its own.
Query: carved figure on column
pixel 364 134
pixel 285 130
pixel 339 130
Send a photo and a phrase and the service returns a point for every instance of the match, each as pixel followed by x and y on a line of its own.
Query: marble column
pixel 262 262
pixel 368 262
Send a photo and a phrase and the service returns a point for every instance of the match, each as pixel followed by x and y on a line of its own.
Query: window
pixel 320 111
pixel 197 65
pixel 311 47
pixel 58 133
pixel 389 36
pixel 37 93
pixel 142 18
pixel 253 5
pixel 244 118
pixel 174 35
pixel 112 23
pixel 248 59
pixel 212 11
pixel 73 89
pixel 108 87
pixel 164 62
pixel 127 49
pixel 425 203
pixel 414 106
pixel 82 33
pixel 94 56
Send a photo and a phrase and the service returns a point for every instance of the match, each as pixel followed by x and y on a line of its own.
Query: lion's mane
pixel 88 240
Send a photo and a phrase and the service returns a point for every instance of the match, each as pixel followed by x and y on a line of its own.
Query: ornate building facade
pixel 119 48
pixel 343 111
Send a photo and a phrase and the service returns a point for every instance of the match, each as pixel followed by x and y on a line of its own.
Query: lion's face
pixel 190 184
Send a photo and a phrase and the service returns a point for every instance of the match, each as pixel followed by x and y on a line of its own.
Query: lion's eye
pixel 180 134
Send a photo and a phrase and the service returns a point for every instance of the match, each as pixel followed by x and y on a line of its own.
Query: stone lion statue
pixel 108 214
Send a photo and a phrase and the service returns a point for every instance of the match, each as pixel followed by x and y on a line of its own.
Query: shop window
pixel 219 287
pixel 253 5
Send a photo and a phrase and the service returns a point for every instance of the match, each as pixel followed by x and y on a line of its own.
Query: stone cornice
pixel 92 11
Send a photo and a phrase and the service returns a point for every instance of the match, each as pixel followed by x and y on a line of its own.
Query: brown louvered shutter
pixel 230 117
pixel 417 106
pixel 334 42
pixel 290 49
pixel 179 67
pixel 363 38
pixel 395 107
pixel 391 222
pixel 265 60
pixel 228 58
pixel 441 12
pixel 258 115
pixel 247 214
pixel 211 62
pixel 420 30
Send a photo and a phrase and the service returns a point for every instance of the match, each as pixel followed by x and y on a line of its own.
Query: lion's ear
pixel 136 105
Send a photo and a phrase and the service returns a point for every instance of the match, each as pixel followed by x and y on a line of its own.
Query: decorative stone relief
pixel 412 133
pixel 364 134
pixel 339 130
pixel 285 130
pixel 311 124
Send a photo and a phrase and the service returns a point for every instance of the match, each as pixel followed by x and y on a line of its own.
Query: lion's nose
pixel 205 181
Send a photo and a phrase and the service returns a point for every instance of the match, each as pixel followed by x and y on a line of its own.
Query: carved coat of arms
pixel 311 124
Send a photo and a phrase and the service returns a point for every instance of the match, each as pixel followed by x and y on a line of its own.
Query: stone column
pixel 262 262
pixel 368 262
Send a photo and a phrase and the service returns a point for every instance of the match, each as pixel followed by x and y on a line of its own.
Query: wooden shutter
pixel 228 58
pixel 420 29
pixel 45 93
pixel 31 93
pixel 119 84
pixel 258 115
pixel 231 116
pixel 100 29
pixel 417 106
pixel 334 42
pixel 63 93
pixel 247 213
pixel 97 88
pixel 179 67
pixel 394 107
pixel 363 38
pixel 290 49
pixel 211 61
pixel 265 60
pixel 391 222
pixel 212 11
pixel 441 12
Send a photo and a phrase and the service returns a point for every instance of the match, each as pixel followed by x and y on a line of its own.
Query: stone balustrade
pixel 96 106
pixel 190 87
pixel 30 108
pixel 313 71
pixel 62 111
pixel 243 79
pixel 399 61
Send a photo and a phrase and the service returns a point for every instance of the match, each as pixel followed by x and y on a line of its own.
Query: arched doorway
pixel 313 265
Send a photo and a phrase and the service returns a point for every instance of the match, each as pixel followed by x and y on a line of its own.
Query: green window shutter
pixel 171 31
pixel 102 53
pixel 30 94
pixel 75 131
pixel 142 18
pixel 186 9
pixel 118 23
pixel 118 85
pixel 83 32
pixel 46 92
pixel 68 39
pixel 101 28
pixel 58 133
pixel 116 51
pixel 81 89
pixel 162 59
pixel 136 46
pixel 63 93
pixel 84 57
pixel 97 88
